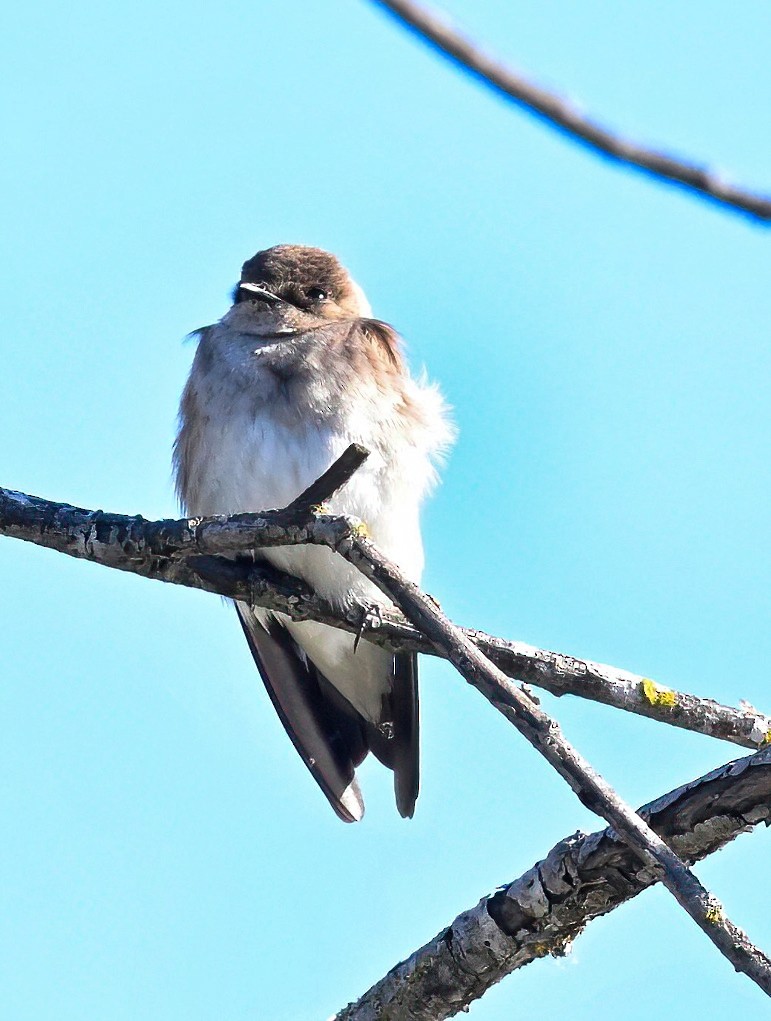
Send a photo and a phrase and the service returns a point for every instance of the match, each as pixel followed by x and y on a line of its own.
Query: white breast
pixel 251 462
pixel 247 454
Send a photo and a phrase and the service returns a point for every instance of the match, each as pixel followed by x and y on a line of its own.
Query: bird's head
pixel 293 288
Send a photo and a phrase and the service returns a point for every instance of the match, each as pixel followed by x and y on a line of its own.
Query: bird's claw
pixel 370 621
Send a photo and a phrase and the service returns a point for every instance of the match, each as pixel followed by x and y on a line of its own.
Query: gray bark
pixel 544 910
pixel 301 522
pixel 153 549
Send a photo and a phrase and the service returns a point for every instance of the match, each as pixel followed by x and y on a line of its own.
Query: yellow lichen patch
pixel 767 738
pixel 361 530
pixel 658 695
pixel 714 914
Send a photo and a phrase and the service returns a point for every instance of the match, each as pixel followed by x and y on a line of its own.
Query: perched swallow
pixel 293 373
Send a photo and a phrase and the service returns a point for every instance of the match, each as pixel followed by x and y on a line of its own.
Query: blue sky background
pixel 604 341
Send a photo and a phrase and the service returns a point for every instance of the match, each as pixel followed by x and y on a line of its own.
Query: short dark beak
pixel 257 293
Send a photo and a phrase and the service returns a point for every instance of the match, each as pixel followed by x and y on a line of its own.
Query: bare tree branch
pixel 150 548
pixel 558 112
pixel 347 538
pixel 544 910
pixel 303 524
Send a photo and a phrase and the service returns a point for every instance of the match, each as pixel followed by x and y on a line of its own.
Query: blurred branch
pixel 151 549
pixel 543 911
pixel 119 540
pixel 561 114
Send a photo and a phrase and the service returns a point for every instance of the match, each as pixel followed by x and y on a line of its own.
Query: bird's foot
pixel 371 620
pixel 387 729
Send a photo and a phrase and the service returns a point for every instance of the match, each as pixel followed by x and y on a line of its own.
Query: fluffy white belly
pixel 261 465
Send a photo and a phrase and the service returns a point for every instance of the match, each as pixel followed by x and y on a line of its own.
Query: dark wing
pixel 397 744
pixel 406 763
pixel 330 738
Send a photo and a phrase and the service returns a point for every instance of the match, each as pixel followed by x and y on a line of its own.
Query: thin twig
pixel 151 549
pixel 545 909
pixel 333 479
pixel 566 118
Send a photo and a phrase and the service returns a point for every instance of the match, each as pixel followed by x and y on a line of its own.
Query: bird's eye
pixel 317 294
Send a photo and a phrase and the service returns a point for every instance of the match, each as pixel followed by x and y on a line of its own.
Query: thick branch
pixel 151 549
pixel 544 910
pixel 113 539
pixel 566 118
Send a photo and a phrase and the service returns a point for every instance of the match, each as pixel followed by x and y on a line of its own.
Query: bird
pixel 295 371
